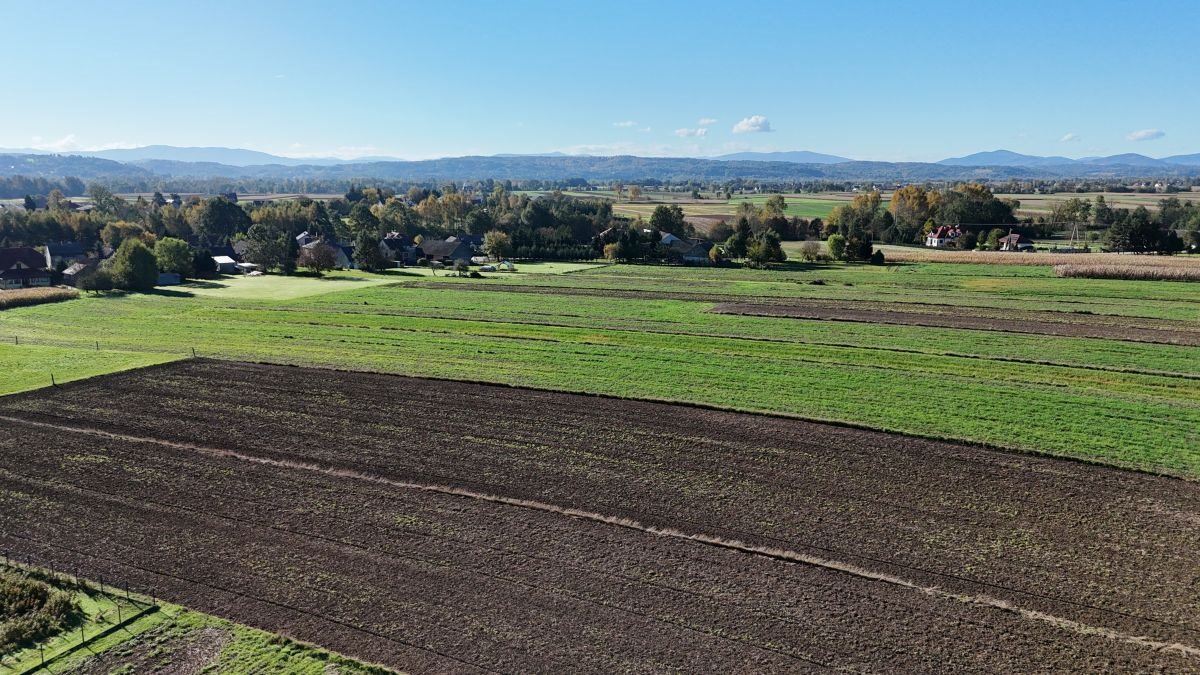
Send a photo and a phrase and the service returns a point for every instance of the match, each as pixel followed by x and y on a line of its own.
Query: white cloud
pixel 647 130
pixel 707 121
pixel 1069 138
pixel 625 125
pixel 1145 135
pixel 691 133
pixel 70 143
pixel 753 124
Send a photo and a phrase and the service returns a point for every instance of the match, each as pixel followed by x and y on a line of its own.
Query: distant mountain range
pixel 215 155
pixel 234 163
pixel 1008 158
pixel 796 156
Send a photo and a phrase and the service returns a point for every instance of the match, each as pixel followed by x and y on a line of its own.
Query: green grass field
pixel 1125 403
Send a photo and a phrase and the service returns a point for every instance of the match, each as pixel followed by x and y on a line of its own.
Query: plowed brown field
pixel 442 526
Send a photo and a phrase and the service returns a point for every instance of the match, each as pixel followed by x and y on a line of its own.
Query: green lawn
pixel 274 287
pixel 29 366
pixel 1124 403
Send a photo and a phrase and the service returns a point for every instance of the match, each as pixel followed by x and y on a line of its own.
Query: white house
pixel 943 236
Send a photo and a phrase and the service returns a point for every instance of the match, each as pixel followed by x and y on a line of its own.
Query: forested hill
pixel 561 168
pixel 60 166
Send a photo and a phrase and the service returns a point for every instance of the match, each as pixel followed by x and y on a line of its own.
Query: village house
pixel 399 248
pixel 343 255
pixel 22 268
pixel 444 251
pixel 943 236
pixel 64 253
pixel 687 251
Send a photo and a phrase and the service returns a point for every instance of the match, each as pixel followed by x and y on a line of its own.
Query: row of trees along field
pixel 550 227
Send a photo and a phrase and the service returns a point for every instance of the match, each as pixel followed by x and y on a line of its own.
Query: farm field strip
pixel 260 527
pixel 572 321
pixel 1111 408
pixel 926 314
pixel 255 590
pixel 926 283
pixel 1079 328
pixel 783 555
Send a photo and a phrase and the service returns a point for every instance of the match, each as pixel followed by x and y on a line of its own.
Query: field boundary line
pixel 783 555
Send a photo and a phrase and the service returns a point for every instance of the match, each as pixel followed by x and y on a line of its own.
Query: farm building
pixel 225 264
pixel 22 268
pixel 1016 242
pixel 445 251
pixel 64 252
pixel 688 251
pixel 943 236
pixel 72 274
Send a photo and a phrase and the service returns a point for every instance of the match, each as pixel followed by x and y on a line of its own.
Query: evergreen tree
pixel 367 255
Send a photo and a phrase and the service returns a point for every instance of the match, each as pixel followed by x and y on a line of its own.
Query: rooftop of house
pixel 65 248
pixel 441 249
pixel 21 258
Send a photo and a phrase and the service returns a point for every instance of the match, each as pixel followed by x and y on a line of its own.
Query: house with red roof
pixel 943 236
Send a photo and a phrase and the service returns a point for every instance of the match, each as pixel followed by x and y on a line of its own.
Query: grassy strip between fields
pixel 130 633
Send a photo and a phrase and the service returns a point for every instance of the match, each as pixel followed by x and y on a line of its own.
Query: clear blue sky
pixel 891 81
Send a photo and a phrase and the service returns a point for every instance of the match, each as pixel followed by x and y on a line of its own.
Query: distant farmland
pixel 715 208
pixel 1040 205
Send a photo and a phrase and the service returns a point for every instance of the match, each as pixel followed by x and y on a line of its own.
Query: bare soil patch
pixel 1037 323
pixel 452 527
pixel 161 651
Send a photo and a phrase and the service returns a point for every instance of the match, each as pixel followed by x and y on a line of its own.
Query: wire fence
pixel 128 604
pixel 99 345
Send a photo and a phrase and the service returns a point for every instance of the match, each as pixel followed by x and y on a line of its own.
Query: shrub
pixel 837 246
pixel 809 250
pixel 32 611
pixel 95 281
pixel 877 257
pixel 422 262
